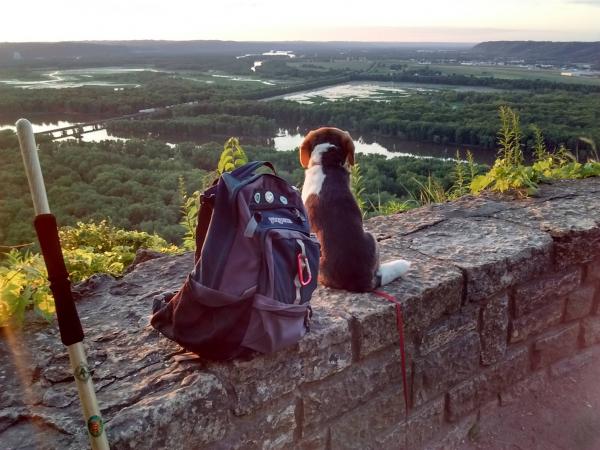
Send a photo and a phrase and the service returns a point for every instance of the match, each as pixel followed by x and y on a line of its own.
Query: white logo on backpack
pixel 279 220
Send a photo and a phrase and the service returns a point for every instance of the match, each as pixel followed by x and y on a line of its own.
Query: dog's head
pixel 327 146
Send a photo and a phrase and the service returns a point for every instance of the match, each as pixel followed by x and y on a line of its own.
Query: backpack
pixel 256 266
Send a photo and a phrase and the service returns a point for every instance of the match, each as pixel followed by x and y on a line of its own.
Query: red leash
pixel 400 327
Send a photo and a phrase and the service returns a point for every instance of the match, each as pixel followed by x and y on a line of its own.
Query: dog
pixel 349 255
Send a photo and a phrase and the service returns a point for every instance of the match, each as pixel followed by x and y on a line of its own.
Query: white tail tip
pixel 391 270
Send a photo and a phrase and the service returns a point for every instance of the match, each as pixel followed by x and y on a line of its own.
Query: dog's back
pixel 348 254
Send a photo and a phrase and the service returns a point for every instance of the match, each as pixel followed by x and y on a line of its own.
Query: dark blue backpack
pixel 256 266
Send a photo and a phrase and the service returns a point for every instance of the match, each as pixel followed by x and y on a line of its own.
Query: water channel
pixel 286 140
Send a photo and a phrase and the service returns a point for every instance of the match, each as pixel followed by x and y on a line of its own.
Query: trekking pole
pixel 71 333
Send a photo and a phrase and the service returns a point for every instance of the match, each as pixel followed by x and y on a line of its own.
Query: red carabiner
pixel 302 264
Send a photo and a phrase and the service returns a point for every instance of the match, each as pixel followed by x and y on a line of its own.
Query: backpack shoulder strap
pixel 248 169
pixel 207 203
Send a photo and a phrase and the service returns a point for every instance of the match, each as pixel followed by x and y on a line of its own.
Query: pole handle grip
pixel 66 313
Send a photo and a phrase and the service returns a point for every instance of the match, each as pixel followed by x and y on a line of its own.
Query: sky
pixel 308 20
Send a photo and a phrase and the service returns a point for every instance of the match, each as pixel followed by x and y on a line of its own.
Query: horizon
pixel 432 21
pixel 293 41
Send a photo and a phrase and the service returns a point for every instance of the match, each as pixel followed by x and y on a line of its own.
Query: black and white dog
pixel 349 255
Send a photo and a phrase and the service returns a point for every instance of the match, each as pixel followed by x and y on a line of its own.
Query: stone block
pixel 534 383
pixel 361 427
pixel 580 302
pixel 386 227
pixel 531 295
pixel 493 254
pixel 569 365
pixel 453 327
pixel 571 220
pixel 555 345
pixel 329 398
pixel 536 321
pixel 590 327
pixel 273 427
pixel 420 427
pixel 477 391
pixel 577 247
pixel 200 407
pixel 494 329
pixel 439 370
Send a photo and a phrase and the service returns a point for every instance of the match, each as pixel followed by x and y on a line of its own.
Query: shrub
pixel 88 248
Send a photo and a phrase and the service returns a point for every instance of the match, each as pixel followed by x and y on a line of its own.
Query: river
pixel 94 136
pixel 286 140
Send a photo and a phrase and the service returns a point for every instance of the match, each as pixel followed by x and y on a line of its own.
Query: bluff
pixel 548 51
pixel 503 295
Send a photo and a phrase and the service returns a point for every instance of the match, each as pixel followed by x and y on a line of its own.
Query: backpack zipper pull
pixel 299 215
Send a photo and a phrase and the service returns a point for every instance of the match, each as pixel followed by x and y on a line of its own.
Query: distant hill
pixel 40 53
pixel 541 51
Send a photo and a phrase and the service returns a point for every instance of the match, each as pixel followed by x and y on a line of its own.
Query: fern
pixel 357 186
pixel 88 248
pixel 189 215
pixel 509 172
pixel 23 285
pixel 233 156
pixel 464 172
pixel 540 151
pixel 430 192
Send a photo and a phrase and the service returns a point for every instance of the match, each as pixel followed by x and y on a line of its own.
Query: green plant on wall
pixel 88 248
pixel 510 172
pixel 357 186
pixel 464 172
pixel 189 215
pixel 23 285
pixel 232 157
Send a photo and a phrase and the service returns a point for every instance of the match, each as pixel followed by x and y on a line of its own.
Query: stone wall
pixel 502 296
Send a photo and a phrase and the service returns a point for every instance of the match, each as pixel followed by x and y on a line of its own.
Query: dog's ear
pixel 348 146
pixel 306 148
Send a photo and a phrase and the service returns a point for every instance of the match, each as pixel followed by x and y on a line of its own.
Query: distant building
pixel 17 56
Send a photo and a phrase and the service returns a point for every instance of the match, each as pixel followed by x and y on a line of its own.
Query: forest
pixel 135 183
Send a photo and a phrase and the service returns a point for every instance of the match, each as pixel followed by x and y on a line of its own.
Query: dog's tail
pixel 389 271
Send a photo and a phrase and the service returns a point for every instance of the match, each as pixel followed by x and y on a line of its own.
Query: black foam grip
pixel 68 319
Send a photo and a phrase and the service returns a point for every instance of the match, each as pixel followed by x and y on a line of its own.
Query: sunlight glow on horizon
pixel 271 20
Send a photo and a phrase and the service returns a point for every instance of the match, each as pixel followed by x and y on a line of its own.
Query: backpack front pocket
pixel 291 266
pixel 275 325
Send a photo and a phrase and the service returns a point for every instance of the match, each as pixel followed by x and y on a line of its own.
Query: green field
pixel 511 73
pixel 383 66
